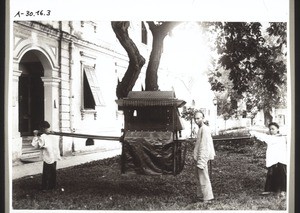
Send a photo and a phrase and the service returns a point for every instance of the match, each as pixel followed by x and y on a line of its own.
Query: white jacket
pixel 204 147
pixel 50 147
pixel 276 147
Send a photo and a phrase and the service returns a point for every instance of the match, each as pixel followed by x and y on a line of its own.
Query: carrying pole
pixel 77 135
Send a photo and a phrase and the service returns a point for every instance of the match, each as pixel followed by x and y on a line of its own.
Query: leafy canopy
pixel 251 64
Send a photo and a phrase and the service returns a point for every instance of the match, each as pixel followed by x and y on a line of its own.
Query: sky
pixel 187 55
pixel 188 48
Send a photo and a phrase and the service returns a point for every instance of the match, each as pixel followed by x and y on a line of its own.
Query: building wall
pixel 42 42
pixel 63 48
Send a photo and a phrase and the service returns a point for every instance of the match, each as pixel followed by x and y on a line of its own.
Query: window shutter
pixel 94 85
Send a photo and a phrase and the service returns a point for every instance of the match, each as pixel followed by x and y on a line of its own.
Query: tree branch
pixel 136 60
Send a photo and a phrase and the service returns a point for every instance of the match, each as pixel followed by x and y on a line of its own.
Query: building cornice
pixel 50 31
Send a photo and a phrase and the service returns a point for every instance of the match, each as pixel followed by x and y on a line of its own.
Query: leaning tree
pixel 136 60
pixel 159 31
pixel 254 60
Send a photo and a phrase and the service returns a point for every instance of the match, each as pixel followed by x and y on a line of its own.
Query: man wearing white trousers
pixel 203 152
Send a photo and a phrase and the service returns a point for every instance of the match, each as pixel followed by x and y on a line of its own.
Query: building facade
pixel 66 72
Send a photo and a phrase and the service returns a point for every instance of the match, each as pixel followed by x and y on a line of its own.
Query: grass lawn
pixel 238 177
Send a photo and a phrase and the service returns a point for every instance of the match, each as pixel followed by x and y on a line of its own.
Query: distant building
pixel 244 119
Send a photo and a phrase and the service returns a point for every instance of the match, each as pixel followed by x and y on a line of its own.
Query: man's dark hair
pixel 44 125
pixel 273 124
pixel 199 112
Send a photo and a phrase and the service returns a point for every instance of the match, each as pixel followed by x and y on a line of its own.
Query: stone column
pixel 51 101
pixel 16 136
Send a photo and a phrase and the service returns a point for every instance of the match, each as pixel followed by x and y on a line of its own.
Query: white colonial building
pixel 66 72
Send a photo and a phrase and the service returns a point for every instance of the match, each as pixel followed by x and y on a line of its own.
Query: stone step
pixel 26 145
pixel 29 153
pixel 30 150
pixel 27 139
pixel 30 159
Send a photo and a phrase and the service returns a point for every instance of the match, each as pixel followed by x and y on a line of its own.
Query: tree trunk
pixel 192 129
pixel 268 118
pixel 136 60
pixel 154 61
pixel 159 32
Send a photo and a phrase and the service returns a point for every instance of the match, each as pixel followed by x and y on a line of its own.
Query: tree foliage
pixel 251 64
pixel 188 114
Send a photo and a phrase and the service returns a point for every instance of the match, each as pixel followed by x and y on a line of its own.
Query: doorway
pixel 31 94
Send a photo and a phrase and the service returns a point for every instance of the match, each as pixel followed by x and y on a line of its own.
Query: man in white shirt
pixel 50 154
pixel 203 152
pixel 276 159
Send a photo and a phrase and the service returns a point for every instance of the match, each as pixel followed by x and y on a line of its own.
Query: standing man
pixel 203 152
pixel 50 153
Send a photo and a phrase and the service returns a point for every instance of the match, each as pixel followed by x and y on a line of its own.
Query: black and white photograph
pixel 149 112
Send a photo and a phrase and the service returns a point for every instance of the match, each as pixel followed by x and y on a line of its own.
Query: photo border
pixel 63 11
